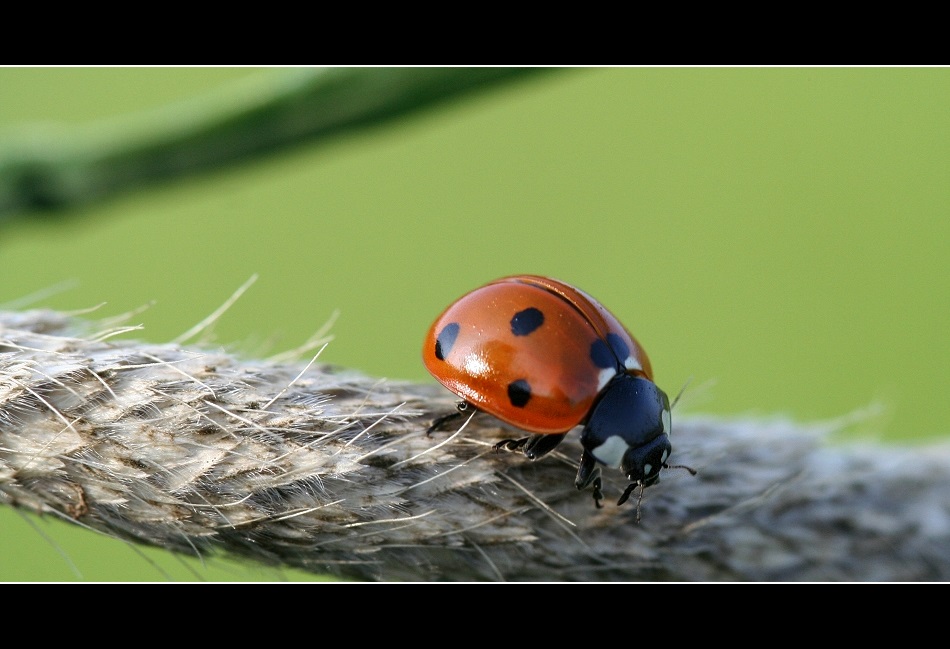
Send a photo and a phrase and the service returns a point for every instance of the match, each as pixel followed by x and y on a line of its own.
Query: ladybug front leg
pixel 588 473
pixel 533 447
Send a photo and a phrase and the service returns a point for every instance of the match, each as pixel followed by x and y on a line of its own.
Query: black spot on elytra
pixel 610 353
pixel 445 340
pixel 524 322
pixel 601 355
pixel 519 392
pixel 619 346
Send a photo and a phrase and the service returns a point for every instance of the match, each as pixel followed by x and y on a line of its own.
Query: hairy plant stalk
pixel 312 466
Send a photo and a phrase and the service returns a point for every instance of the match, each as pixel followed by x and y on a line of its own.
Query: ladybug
pixel 545 357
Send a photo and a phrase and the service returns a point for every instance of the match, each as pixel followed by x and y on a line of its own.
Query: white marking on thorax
pixel 611 452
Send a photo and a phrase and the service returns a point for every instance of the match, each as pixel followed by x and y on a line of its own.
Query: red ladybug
pixel 545 357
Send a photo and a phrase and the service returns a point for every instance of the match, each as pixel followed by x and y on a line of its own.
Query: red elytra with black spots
pixel 544 356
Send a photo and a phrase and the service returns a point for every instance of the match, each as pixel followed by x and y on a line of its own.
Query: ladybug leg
pixel 461 408
pixel 533 447
pixel 538 446
pixel 588 473
pixel 628 491
pixel 510 444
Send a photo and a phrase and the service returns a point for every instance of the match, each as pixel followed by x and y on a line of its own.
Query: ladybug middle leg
pixel 533 447
pixel 461 409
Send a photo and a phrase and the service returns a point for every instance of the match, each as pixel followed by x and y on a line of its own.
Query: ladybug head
pixel 642 464
pixel 628 428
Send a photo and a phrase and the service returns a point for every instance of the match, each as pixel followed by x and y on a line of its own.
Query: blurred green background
pixel 776 236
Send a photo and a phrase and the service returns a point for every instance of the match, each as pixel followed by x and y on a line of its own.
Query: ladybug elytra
pixel 545 357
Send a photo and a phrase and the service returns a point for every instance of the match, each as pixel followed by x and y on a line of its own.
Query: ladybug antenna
pixel 680 393
pixel 691 470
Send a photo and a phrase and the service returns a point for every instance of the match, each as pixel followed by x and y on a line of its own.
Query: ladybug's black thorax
pixel 630 407
pixel 628 427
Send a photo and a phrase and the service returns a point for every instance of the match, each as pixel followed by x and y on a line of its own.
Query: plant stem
pixel 200 452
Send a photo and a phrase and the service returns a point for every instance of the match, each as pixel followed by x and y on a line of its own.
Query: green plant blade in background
pixel 56 167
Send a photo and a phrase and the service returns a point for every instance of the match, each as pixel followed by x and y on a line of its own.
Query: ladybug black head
pixel 629 428
pixel 643 463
